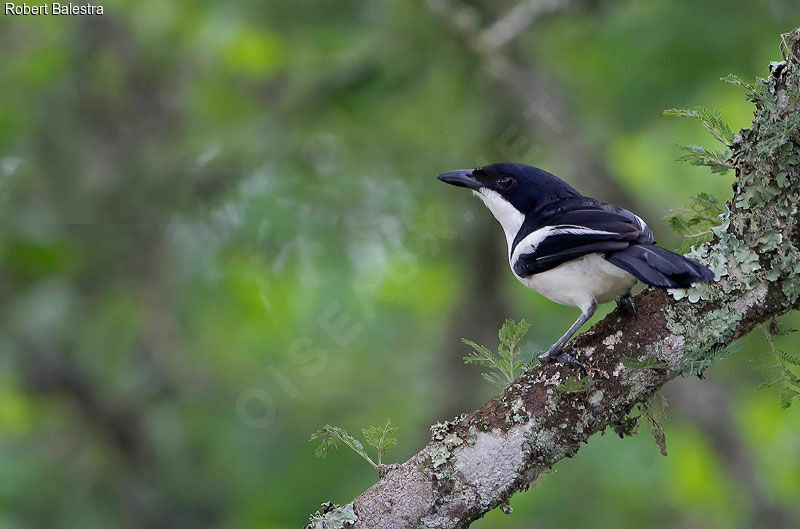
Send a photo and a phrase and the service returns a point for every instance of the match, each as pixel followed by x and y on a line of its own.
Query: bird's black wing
pixel 568 234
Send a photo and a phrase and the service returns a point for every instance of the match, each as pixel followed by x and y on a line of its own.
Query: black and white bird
pixel 572 249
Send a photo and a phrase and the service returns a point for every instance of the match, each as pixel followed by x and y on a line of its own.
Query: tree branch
pixel 519 18
pixel 477 461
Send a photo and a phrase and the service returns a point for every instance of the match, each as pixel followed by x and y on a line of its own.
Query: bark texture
pixel 477 461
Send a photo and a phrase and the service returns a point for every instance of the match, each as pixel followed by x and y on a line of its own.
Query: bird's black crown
pixel 525 187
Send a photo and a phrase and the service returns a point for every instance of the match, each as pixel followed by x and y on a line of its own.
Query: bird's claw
pixel 560 356
pixel 626 305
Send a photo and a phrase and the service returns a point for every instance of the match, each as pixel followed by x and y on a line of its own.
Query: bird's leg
pixel 555 352
pixel 626 304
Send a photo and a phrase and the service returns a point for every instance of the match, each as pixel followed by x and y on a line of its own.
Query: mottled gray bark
pixel 476 462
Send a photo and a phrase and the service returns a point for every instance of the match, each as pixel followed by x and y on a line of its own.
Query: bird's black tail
pixel 659 267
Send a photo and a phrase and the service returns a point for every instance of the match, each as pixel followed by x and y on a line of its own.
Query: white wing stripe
pixel 535 238
pixel 642 224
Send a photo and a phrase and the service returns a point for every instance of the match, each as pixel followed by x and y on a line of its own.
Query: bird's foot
pixel 626 305
pixel 557 355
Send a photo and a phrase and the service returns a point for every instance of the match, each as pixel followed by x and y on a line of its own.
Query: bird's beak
pixel 460 178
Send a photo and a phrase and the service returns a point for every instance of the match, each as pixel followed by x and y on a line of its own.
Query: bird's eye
pixel 505 182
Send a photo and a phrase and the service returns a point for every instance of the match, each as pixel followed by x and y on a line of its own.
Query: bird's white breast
pixel 578 282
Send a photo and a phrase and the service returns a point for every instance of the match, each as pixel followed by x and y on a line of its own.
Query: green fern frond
pixel 650 362
pixel 696 362
pixel 711 119
pixel 756 92
pixel 734 79
pixel 331 436
pixel 654 412
pixel 572 385
pixel 767 385
pixel 788 358
pixel 718 161
pixel 786 397
pixel 507 363
pixel 786 364
pixel 379 437
pixel 480 355
pixel 510 333
pixel 696 220
pixel 495 379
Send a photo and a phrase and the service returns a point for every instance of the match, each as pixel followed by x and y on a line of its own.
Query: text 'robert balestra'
pixel 52 9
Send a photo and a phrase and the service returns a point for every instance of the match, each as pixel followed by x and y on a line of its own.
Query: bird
pixel 573 250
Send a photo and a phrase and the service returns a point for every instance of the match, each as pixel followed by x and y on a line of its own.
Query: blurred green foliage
pixel 220 228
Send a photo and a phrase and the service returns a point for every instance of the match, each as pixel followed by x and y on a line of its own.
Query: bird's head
pixel 511 190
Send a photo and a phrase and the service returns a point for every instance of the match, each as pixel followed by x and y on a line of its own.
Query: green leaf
pixel 331 436
pixel 785 363
pixel 697 220
pixel 788 358
pixel 380 438
pixel 647 363
pixel 786 397
pixel 511 333
pixel 506 363
pixel 696 362
pixel 757 91
pixel 481 355
pixel 735 80
pixel 711 119
pixel 372 435
pixel 495 379
pixel 792 379
pixel 654 412
pixel 767 385
pixel 699 156
pixel 572 385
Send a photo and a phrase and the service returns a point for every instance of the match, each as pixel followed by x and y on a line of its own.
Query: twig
pixel 519 18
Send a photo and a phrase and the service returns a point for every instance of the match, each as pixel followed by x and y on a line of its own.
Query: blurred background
pixel 221 229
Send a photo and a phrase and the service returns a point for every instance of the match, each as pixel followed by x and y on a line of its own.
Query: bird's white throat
pixel 509 217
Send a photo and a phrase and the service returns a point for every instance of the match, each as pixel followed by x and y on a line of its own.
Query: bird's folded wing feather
pixel 571 234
